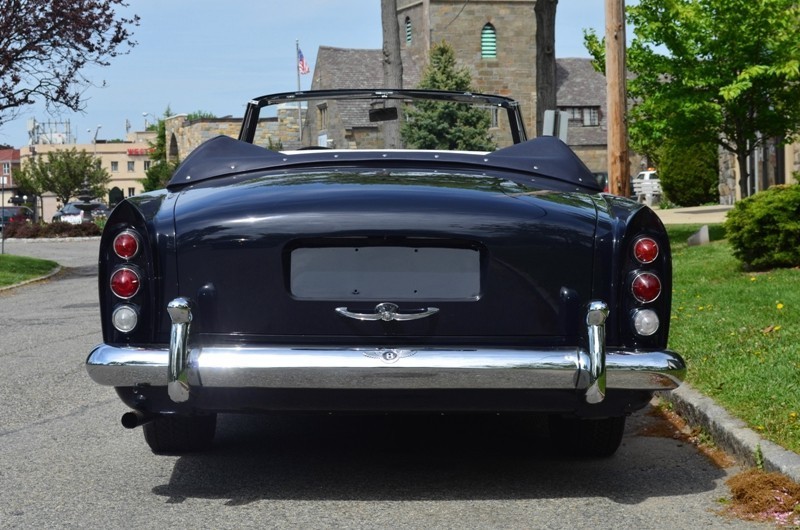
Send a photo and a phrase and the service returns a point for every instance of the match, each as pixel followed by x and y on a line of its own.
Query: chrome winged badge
pixel 387 312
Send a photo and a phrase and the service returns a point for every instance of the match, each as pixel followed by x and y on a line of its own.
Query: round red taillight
pixel 645 250
pixel 125 283
pixel 646 287
pixel 126 245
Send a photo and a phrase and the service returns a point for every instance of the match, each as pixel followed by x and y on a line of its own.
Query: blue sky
pixel 215 56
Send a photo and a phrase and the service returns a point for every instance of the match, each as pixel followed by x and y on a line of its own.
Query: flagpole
pixel 297 67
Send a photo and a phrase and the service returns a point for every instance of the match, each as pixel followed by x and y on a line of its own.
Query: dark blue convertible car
pixel 384 280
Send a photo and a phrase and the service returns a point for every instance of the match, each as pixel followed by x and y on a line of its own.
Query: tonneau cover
pixel 545 156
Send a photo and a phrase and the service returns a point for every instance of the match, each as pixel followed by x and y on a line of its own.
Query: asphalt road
pixel 65 461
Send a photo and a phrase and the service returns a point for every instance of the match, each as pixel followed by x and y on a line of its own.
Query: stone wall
pixel 183 136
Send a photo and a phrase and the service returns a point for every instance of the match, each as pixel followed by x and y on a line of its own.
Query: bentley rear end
pixel 373 281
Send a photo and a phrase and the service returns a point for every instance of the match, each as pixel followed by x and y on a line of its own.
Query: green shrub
pixel 689 173
pixel 55 229
pixel 764 229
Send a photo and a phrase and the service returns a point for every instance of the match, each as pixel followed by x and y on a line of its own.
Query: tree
pixel 44 46
pixel 199 115
pixel 64 173
pixel 719 71
pixel 446 125
pixel 161 169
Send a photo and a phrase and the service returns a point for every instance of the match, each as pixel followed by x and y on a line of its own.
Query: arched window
pixel 408 30
pixel 172 154
pixel 488 42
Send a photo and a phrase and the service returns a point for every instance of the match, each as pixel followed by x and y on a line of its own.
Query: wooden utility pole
pixel 392 70
pixel 616 102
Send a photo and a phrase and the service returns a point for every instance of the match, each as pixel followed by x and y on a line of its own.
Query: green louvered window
pixel 488 42
pixel 408 30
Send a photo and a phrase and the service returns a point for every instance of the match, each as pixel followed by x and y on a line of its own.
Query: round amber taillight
pixel 646 287
pixel 125 283
pixel 645 250
pixel 126 245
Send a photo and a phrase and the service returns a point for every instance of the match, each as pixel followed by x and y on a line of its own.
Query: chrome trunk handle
pixel 387 312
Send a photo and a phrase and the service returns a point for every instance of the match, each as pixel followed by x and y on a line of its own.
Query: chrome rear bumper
pixel 181 368
pixel 386 368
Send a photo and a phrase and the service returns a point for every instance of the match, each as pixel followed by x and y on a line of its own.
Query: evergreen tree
pixel 446 125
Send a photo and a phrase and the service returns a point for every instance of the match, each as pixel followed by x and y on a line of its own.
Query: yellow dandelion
pixel 793 415
pixel 779 306
pixel 752 278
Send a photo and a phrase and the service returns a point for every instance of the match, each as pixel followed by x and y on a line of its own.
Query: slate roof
pixel 579 85
pixel 349 68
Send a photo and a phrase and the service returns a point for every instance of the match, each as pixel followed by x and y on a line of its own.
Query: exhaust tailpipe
pixel 136 418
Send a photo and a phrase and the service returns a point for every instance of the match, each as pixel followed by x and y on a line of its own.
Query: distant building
pixel 126 162
pixel 9 162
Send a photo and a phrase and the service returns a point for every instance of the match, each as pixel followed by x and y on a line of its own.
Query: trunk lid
pixel 272 258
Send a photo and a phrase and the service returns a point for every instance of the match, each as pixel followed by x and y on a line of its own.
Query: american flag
pixel 302 65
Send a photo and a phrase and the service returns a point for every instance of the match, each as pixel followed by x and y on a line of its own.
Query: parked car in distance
pixel 70 213
pixel 15 214
pixel 647 187
pixel 383 280
pixel 649 174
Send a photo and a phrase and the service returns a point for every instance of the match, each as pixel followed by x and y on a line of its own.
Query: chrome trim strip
pixel 177 377
pixel 365 368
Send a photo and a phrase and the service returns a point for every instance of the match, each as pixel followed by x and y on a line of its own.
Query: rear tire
pixel 594 438
pixel 180 434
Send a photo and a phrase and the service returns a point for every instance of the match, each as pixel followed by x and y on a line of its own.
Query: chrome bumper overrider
pixel 181 368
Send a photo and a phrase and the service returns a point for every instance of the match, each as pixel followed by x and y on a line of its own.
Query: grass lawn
pixel 739 333
pixel 15 269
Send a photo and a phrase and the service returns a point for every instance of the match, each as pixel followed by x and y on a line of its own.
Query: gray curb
pixel 730 434
pixel 33 280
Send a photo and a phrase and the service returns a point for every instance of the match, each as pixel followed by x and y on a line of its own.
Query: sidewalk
pixel 714 214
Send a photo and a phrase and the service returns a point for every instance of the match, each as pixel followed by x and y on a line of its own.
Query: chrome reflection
pixel 177 374
pixel 596 324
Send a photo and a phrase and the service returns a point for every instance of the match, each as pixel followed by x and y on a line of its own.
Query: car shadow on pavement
pixel 426 457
